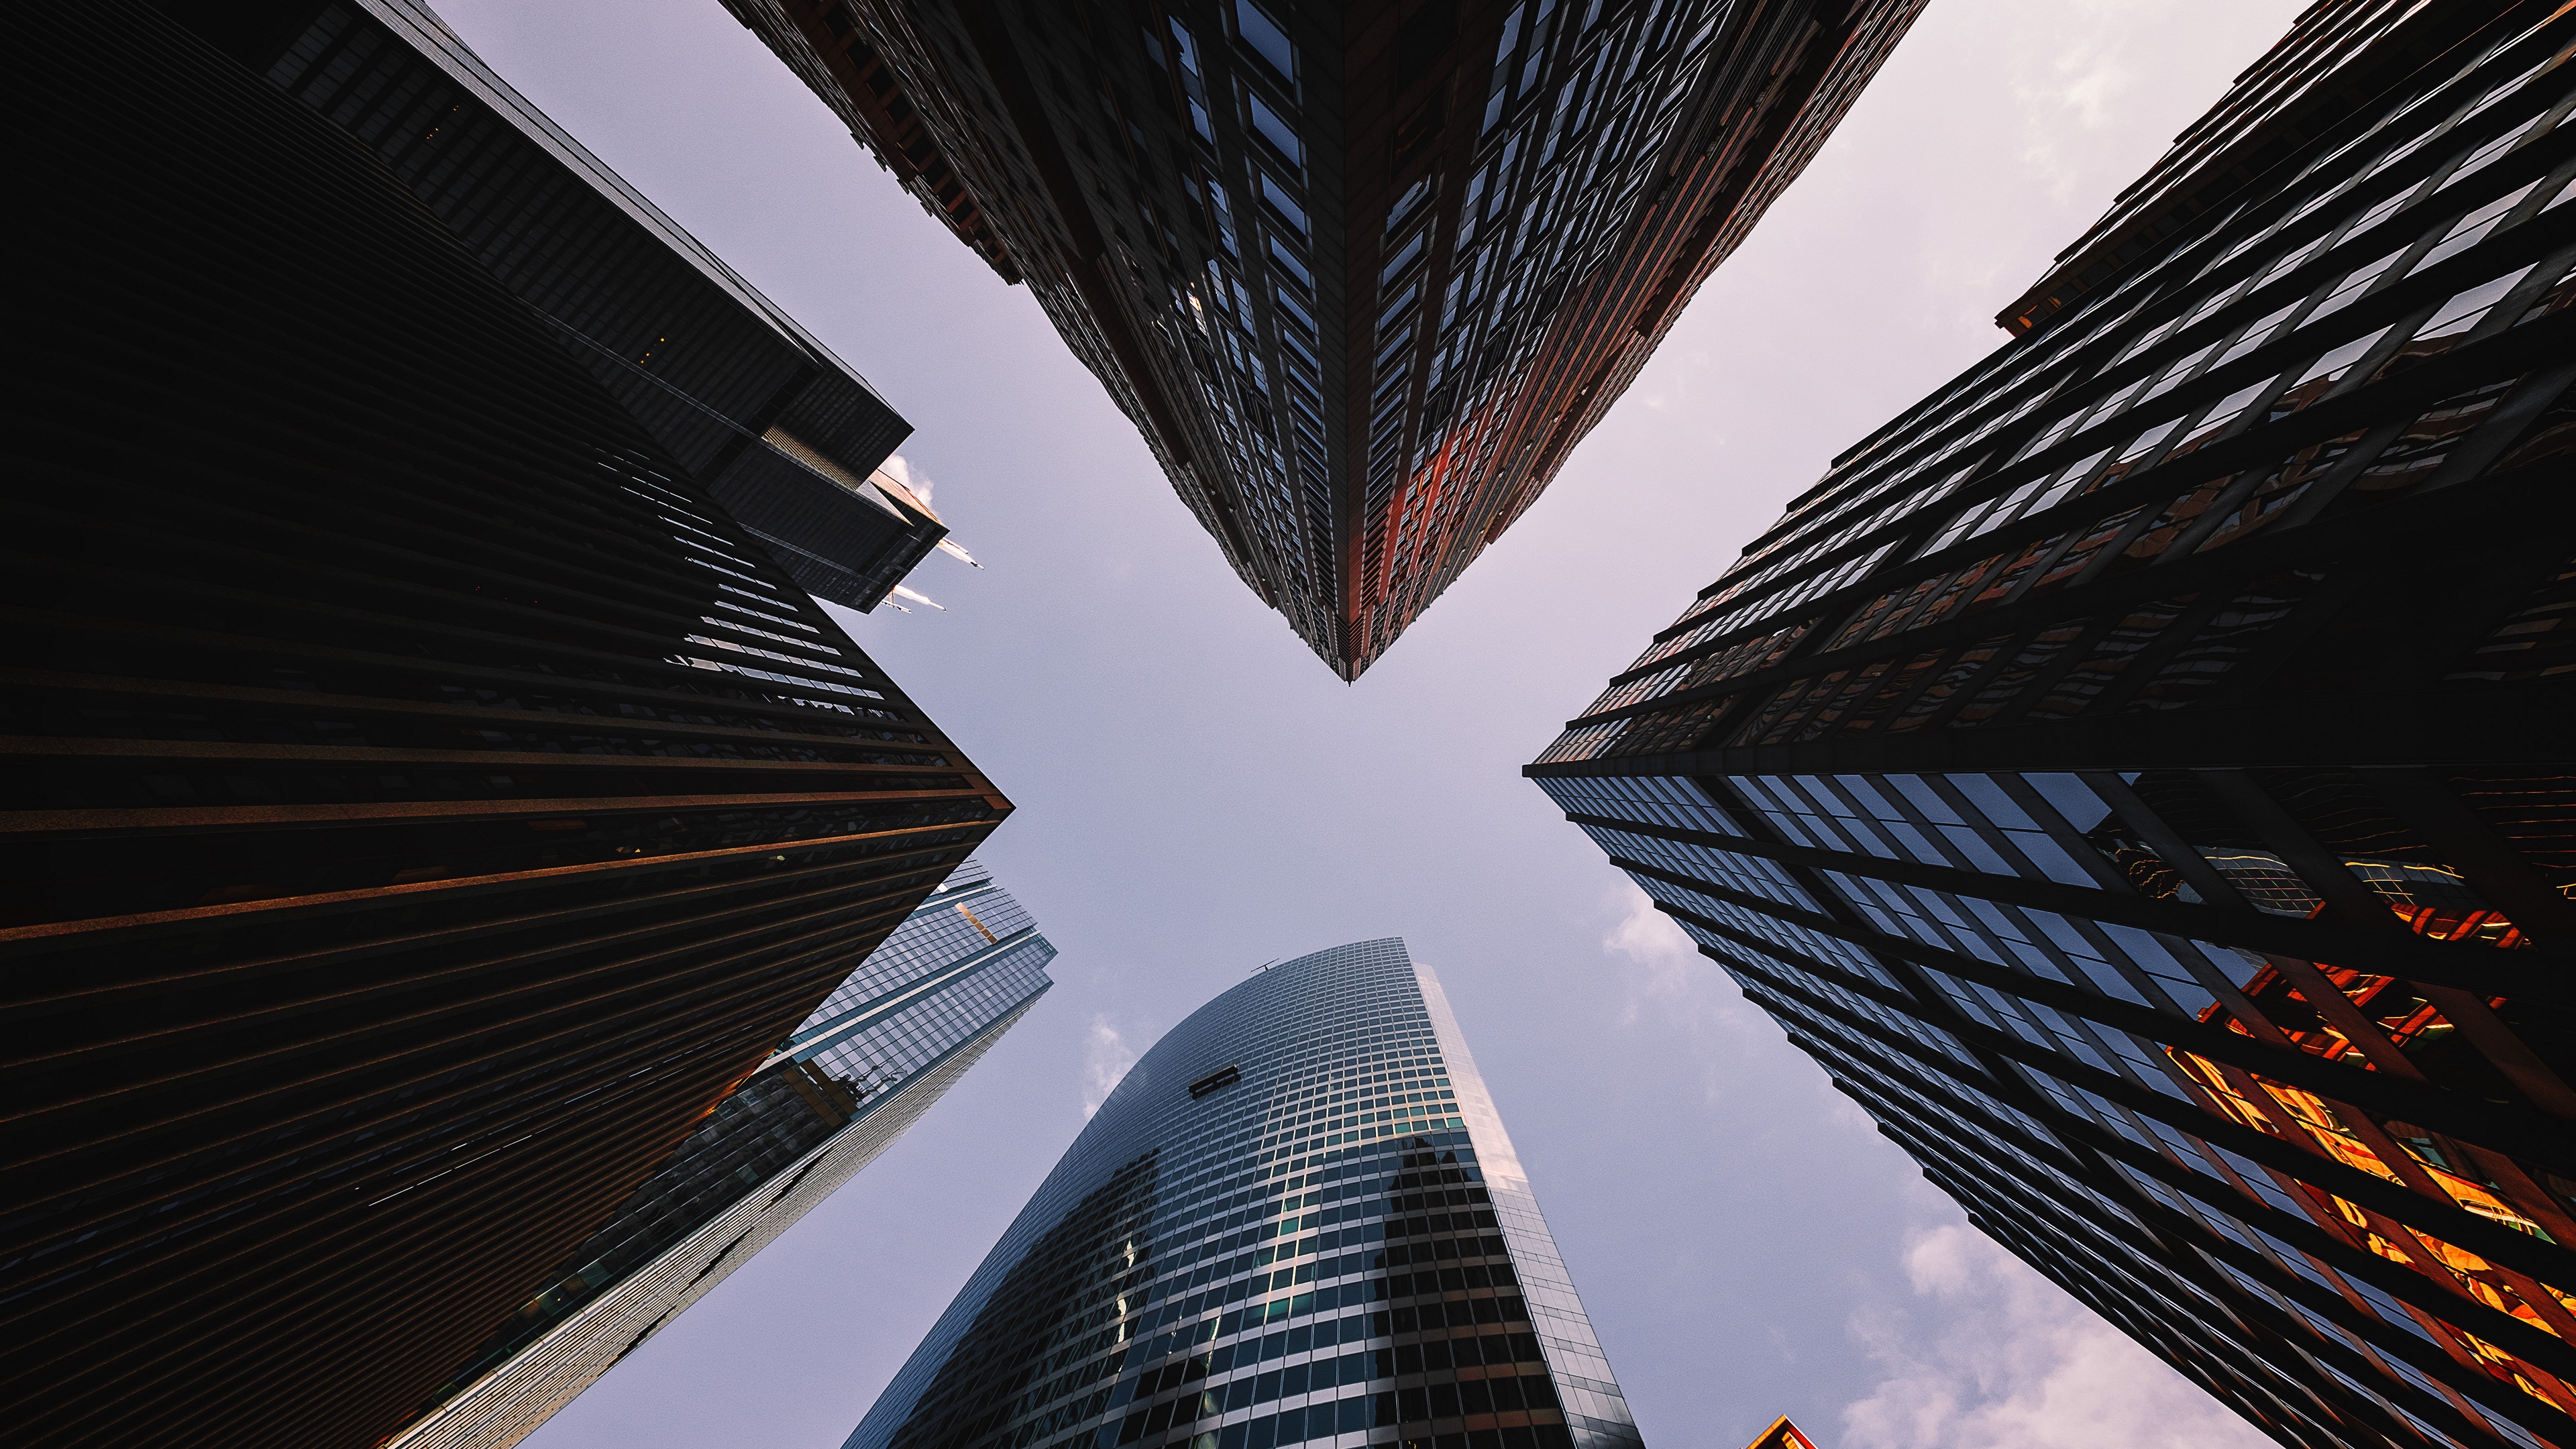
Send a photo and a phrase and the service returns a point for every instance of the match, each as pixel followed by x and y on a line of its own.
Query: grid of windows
pixel 2112 1048
pixel 966 915
pixel 779 429
pixel 1337 1241
pixel 424 822
pixel 894 1047
pixel 881 1051
pixel 2129 772
pixel 1362 279
pixel 963 959
pixel 2363 335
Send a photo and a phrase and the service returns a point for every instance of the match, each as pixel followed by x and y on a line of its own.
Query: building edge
pixel 1573 1351
pixel 516 1399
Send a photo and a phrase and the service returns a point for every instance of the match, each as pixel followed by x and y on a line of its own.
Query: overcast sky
pixel 1198 794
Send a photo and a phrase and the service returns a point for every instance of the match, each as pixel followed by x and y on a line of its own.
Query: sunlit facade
pixel 1297 1220
pixel 1361 275
pixel 880 1051
pixel 2140 772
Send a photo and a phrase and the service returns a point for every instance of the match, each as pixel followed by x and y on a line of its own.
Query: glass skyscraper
pixel 881 1050
pixel 1362 275
pixel 2140 772
pixel 785 435
pixel 1297 1220
pixel 427 801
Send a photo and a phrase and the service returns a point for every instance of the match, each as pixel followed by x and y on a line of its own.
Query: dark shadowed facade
pixel 1361 275
pixel 428 804
pixel 785 435
pixel 2141 772
pixel 1297 1220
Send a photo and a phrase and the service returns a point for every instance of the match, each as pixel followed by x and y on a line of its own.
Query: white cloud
pixel 1666 986
pixel 2086 77
pixel 909 476
pixel 1997 1357
pixel 2069 80
pixel 1105 1060
pixel 1648 937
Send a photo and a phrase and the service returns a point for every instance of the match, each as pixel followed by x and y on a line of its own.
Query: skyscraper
pixel 785 435
pixel 883 1047
pixel 1362 275
pixel 2139 773
pixel 427 801
pixel 1296 1220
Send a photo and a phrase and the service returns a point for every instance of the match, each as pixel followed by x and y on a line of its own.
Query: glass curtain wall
pixel 2139 772
pixel 1297 1219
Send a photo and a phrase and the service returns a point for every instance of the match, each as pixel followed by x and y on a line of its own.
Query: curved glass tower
pixel 1298 1220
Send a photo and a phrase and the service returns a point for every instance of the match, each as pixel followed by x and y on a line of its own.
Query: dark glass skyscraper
pixel 784 434
pixel 884 1046
pixel 1362 275
pixel 426 802
pixel 2140 773
pixel 1297 1220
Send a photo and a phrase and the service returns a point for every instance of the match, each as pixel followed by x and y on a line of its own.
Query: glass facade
pixel 1361 275
pixel 2139 772
pixel 878 1053
pixel 427 801
pixel 1296 1220
pixel 784 434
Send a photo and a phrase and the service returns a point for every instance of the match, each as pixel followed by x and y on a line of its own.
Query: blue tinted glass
pixel 2072 797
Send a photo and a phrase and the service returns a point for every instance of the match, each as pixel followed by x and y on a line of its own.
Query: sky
pixel 1198 794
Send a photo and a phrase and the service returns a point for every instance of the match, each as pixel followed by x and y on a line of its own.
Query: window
pixel 1264 37
pixel 2479 159
pixel 1396 309
pixel 1288 262
pixel 2466 309
pixel 2223 415
pixel 1284 204
pixel 2263 328
pixel 2331 368
pixel 1413 197
pixel 1271 127
pixel 2471 229
pixel 1404 257
pixel 1224 209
